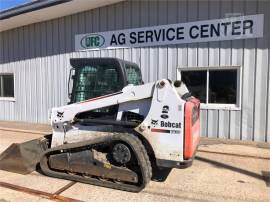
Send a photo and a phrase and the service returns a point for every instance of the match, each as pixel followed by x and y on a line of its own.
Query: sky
pixel 6 4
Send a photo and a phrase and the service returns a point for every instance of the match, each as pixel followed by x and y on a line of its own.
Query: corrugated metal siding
pixel 39 55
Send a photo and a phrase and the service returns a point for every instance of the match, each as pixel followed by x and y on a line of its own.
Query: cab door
pixel 96 77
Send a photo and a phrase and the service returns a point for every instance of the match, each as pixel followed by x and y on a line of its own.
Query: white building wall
pixel 38 54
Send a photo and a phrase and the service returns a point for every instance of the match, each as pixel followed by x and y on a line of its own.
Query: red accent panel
pixel 192 127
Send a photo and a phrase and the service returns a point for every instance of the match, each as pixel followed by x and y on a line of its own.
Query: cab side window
pixel 96 80
pixel 133 74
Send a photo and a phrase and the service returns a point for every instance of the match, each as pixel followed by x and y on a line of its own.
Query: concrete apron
pixel 220 172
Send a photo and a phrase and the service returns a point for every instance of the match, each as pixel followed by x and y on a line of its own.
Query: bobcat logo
pixel 154 122
pixel 60 115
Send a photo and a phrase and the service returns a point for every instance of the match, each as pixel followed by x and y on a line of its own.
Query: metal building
pixel 37 40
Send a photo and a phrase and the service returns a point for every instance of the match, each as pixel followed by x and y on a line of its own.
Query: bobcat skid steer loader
pixel 114 130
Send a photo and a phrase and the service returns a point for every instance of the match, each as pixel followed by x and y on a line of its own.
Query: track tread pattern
pixel 147 164
pixel 132 140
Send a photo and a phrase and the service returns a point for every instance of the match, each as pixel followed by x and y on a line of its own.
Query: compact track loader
pixel 114 130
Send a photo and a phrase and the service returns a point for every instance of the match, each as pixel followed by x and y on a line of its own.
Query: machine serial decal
pixel 159 130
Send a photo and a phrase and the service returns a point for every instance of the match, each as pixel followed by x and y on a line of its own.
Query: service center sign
pixel 242 27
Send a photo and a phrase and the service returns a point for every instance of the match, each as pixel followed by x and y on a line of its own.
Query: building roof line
pixel 44 10
pixel 29 7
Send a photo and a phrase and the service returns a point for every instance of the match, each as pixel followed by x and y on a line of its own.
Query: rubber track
pixel 133 141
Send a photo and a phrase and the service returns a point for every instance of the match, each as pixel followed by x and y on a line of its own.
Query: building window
pixel 6 85
pixel 216 87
